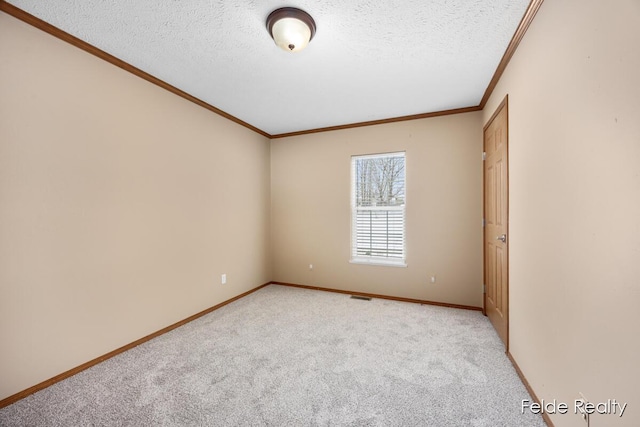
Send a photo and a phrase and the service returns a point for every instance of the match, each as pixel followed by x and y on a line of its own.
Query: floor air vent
pixel 359 297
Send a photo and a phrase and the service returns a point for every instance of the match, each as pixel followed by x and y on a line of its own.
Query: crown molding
pixel 527 18
pixel 64 36
pixel 530 13
pixel 380 122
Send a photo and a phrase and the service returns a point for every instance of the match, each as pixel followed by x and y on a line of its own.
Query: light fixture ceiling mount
pixel 292 29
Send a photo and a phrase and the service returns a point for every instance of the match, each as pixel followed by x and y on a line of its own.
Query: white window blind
pixel 378 208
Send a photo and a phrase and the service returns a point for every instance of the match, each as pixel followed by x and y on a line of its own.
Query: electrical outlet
pixel 433 279
pixel 310 266
pixel 223 279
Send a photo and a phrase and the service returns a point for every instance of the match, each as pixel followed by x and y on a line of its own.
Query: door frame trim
pixel 504 104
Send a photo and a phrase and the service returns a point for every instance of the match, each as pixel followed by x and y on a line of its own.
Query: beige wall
pixel 310 214
pixel 121 205
pixel 574 109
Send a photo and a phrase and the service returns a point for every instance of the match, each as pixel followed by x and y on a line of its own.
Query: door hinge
pixel 484 222
pixel 484 155
pixel 484 288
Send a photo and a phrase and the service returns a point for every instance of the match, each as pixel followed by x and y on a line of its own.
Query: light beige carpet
pixel 294 357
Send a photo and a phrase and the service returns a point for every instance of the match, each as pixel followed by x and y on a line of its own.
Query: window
pixel 377 209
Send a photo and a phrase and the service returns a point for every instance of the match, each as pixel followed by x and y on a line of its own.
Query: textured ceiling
pixel 369 60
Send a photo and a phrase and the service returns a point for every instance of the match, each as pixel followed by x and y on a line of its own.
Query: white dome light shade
pixel 291 34
pixel 291 28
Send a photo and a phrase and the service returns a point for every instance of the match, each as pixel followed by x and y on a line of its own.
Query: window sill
pixel 378 262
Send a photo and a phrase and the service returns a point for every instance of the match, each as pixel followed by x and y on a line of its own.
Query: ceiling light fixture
pixel 292 29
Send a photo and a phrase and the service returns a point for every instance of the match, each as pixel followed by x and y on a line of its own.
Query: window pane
pixel 379 181
pixel 380 233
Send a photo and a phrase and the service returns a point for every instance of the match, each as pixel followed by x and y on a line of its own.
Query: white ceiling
pixel 369 59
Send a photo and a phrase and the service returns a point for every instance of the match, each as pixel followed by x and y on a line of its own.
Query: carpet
pixel 285 356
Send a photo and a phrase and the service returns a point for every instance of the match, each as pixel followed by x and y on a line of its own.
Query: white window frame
pixel 368 259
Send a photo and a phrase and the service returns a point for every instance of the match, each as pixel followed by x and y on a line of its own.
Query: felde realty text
pixel 610 407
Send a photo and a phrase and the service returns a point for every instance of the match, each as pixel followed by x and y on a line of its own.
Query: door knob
pixel 503 238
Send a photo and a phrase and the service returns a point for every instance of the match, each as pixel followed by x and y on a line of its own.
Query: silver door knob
pixel 503 238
